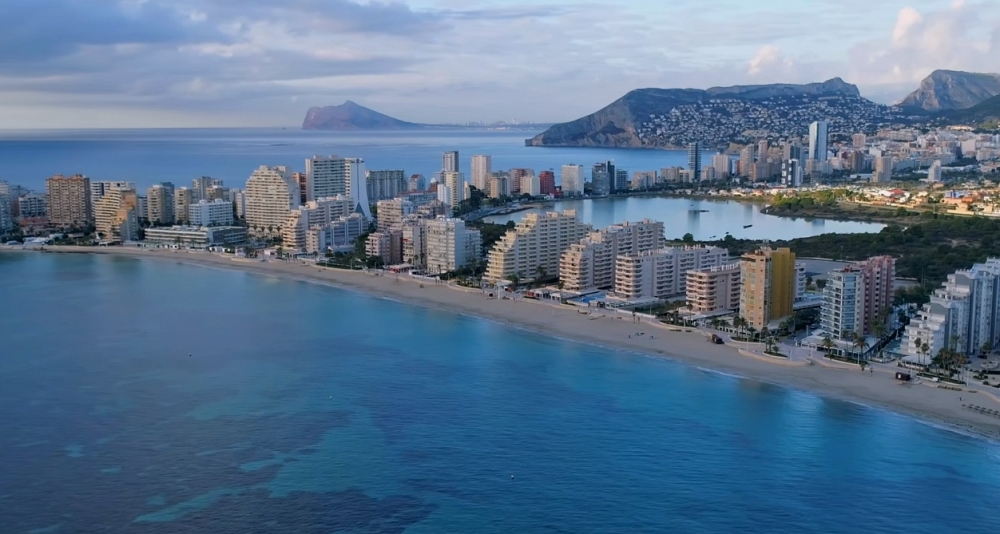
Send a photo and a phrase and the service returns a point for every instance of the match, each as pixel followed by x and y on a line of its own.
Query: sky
pixel 234 63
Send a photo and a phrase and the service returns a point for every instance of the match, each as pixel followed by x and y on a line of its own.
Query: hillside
pixel 986 114
pixel 351 116
pixel 946 90
pixel 665 118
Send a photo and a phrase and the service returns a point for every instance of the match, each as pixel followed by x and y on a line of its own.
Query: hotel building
pixel 715 290
pixel 271 195
pixel 211 213
pixel 482 166
pixel 160 204
pixel 382 185
pixel 662 273
pixel 69 200
pixel 590 264
pixel 117 215
pixel 573 179
pixel 197 237
pixel 450 245
pixel 767 286
pixel 184 198
pixel 858 296
pixel 534 246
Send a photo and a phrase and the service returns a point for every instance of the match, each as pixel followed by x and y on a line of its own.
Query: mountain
pixel 946 90
pixel 666 118
pixel 351 116
pixel 985 114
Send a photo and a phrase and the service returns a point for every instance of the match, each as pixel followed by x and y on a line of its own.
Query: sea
pixel 149 396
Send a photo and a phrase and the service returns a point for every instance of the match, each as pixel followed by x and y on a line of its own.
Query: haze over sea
pixel 151 396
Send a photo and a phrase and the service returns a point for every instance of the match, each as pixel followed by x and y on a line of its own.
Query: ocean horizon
pixel 181 398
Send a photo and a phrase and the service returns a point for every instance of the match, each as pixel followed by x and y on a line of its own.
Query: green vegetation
pixel 491 232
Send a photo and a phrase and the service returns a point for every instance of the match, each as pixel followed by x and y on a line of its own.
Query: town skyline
pixel 213 63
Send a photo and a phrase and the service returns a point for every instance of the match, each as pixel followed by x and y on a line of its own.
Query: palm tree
pixel 924 349
pixel 828 343
pixel 860 343
pixel 986 348
pixel 739 323
pixel 765 332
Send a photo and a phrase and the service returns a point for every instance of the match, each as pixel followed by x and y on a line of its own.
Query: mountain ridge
pixel 947 90
pixel 353 116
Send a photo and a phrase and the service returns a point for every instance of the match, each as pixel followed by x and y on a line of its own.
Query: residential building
pixel 662 273
pixel 572 180
pixel 326 176
pixel 418 183
pixel 392 212
pixel 455 181
pixel 590 264
pixel 69 201
pixel 530 185
pixel 498 185
pixel 271 195
pixel 767 286
pixel 450 245
pixel 315 214
pixel 388 246
pixel 415 244
pixel 694 160
pixel 714 290
pixel 883 169
pixel 547 183
pixel 858 141
pixel 337 235
pixel 6 217
pixel 202 185
pixel 791 173
pixel 302 179
pixel 934 172
pixel 211 213
pixel 746 160
pixel 602 178
pixel 621 182
pixel 818 140
pixel 32 206
pixel 532 248
pixel 842 314
pixel 516 175
pixel 383 185
pixel 449 162
pixel 642 180
pixel 101 188
pixel 481 170
pixel 192 236
pixel 117 215
pixel 723 165
pixel 184 198
pixel 160 204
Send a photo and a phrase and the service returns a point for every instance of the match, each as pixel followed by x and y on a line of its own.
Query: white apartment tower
pixel 271 194
pixel 211 213
pixel 481 170
pixel 819 140
pixel 590 264
pixel 573 179
pixel 533 247
pixel 450 245
pixel 662 273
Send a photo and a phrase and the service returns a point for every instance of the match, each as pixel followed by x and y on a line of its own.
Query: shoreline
pixel 936 407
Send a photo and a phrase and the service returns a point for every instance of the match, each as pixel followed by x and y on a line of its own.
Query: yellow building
pixel 767 285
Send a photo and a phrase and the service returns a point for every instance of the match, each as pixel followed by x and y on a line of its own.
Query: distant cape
pixel 352 116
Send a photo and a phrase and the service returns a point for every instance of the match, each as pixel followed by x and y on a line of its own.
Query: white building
pixel 934 172
pixel 211 213
pixel 818 140
pixel 533 247
pixel 392 212
pixel 160 203
pixel 573 179
pixel 316 213
pixel 590 264
pixel 662 273
pixel 271 195
pixel 329 176
pixel 531 185
pixel 455 182
pixel 382 185
pixel 196 236
pixel 32 205
pixel 337 235
pixel 714 290
pixel 6 220
pixel 481 170
pixel 450 245
pixel 99 189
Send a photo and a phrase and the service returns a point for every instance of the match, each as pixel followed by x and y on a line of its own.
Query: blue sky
pixel 152 63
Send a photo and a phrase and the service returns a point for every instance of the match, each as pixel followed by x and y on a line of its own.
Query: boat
pixel 747 225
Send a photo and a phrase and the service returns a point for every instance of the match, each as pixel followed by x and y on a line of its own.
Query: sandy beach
pixel 924 401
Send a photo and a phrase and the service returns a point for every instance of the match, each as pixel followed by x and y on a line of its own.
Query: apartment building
pixel 767 285
pixel 532 248
pixel 858 296
pixel 451 246
pixel 211 213
pixel 117 216
pixel 271 195
pixel 662 273
pixel 714 290
pixel 69 200
pixel 590 264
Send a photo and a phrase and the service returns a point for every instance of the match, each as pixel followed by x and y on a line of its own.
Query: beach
pixel 927 402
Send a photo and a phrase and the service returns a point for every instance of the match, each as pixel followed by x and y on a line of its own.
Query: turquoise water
pixel 141 396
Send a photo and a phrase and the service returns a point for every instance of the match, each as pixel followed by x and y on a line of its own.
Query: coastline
pixel 938 407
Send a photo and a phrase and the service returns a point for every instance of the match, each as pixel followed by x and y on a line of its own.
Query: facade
pixel 934 172
pixel 482 167
pixel 450 245
pixel 117 216
pixel 316 213
pixel 590 264
pixel 211 213
pixel 963 315
pixel 818 140
pixel 388 246
pixel 767 286
pixel 694 160
pixel 383 185
pixel 531 185
pixel 572 180
pixel 843 304
pixel 197 237
pixel 883 169
pixel 714 290
pixel 533 247
pixel 602 178
pixel 547 183
pixel 184 198
pixel 516 177
pixel 32 206
pixel 392 212
pixel 449 161
pixel 69 200
pixel 326 176
pixel 271 195
pixel 202 185
pixel 722 165
pixel 99 189
pixel 662 273
pixel 160 204
pixel 498 185
pixel 415 244
pixel 6 219
pixel 791 173
pixel 455 181
pixel 337 235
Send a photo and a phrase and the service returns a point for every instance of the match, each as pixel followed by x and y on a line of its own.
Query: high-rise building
pixel 451 246
pixel 694 160
pixel 531 185
pixel 357 187
pixel 455 181
pixel 482 166
pixel 6 217
pixel 117 216
pixel 498 185
pixel 211 213
pixel 590 264
pixel 572 180
pixel 767 286
pixel 160 204
pixel 271 196
pixel 723 165
pixel 314 214
pixel 547 183
pixel 515 179
pixel 714 289
pixel 326 176
pixel 383 185
pixel 302 179
pixel 746 160
pixel 184 198
pixel 934 172
pixel 99 189
pixel 418 182
pixel 449 162
pixel 857 297
pixel 337 235
pixel 602 178
pixel 622 182
pixel 883 169
pixel 532 248
pixel 202 184
pixel 858 141
pixel 32 206
pixel 391 213
pixel 662 273
pixel 818 140
pixel 69 201
pixel 791 173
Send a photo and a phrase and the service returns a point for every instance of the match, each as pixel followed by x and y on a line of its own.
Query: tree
pixel 514 279
pixel 924 349
pixel 821 284
pixel 688 238
pixel 828 343
pixel 861 344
